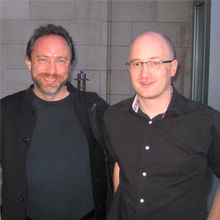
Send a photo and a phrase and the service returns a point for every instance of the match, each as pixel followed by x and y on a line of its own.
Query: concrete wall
pixel 85 20
pixel 102 32
pixel 131 18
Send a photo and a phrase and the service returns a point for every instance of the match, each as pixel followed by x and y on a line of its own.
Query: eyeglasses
pixel 152 64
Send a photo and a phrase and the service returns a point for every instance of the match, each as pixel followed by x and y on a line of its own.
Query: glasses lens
pixel 136 65
pixel 152 64
pixel 155 64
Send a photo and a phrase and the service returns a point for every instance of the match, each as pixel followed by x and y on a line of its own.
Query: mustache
pixel 48 75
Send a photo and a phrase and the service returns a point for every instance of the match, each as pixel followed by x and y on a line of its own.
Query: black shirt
pixel 58 165
pixel 165 163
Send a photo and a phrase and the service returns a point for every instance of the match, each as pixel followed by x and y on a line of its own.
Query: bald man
pixel 164 146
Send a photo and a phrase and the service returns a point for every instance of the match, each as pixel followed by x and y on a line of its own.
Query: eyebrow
pixel 156 58
pixel 41 55
pixel 151 58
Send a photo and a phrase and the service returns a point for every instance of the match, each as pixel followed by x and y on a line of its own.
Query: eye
pixel 61 61
pixel 155 63
pixel 136 64
pixel 42 60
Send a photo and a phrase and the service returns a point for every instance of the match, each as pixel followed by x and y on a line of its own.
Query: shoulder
pixel 198 108
pixel 123 105
pixel 92 96
pixel 13 100
pixel 92 99
pixel 11 106
pixel 196 105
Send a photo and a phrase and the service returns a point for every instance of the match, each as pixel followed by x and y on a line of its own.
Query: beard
pixel 47 88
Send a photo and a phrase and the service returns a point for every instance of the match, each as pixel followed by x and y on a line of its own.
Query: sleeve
pixel 214 148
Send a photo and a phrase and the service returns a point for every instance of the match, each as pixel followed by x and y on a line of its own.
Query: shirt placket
pixel 144 170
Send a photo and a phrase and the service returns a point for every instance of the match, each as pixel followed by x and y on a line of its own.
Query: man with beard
pixel 52 156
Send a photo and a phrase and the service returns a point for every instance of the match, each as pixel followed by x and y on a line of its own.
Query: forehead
pixel 51 42
pixel 148 46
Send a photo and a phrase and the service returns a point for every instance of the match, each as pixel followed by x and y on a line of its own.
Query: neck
pixel 154 107
pixel 59 95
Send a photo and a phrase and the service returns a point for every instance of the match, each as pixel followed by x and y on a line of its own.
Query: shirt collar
pixel 175 103
pixel 174 106
pixel 135 104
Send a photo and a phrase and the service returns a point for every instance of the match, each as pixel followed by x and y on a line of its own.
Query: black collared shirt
pixel 165 164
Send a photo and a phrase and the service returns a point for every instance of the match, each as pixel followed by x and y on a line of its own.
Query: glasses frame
pixel 146 62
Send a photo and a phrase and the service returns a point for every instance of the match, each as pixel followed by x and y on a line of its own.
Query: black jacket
pixel 18 119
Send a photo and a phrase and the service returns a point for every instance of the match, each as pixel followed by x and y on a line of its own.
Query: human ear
pixel 28 63
pixel 174 66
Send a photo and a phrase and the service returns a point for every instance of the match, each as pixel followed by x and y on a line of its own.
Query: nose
pixel 145 72
pixel 51 69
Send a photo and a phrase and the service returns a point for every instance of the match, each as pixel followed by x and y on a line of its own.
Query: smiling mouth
pixel 147 83
pixel 50 80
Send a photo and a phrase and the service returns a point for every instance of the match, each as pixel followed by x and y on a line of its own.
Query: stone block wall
pixel 86 21
pixel 131 18
pixel 102 31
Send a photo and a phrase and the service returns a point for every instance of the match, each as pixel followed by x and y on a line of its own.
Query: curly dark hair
pixel 50 29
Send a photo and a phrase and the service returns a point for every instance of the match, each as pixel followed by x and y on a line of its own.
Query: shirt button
pixel 26 139
pixel 144 174
pixel 21 198
pixel 150 122
pixel 21 169
pixel 31 111
pixel 147 148
pixel 141 200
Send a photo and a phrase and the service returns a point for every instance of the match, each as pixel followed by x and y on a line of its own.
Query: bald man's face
pixel 150 83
